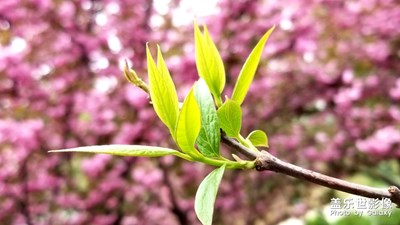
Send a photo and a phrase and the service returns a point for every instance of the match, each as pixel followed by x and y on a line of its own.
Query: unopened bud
pixel 132 77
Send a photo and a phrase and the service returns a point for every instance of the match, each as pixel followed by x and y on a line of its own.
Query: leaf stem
pixel 218 101
pixel 229 164
pixel 246 143
pixel 184 156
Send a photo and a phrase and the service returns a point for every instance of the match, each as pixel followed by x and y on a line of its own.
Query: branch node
pixel 264 161
pixel 395 195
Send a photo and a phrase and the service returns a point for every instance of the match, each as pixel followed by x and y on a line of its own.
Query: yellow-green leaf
pixel 209 62
pixel 188 126
pixel 209 136
pixel 258 138
pixel 206 195
pixel 230 118
pixel 248 70
pixel 162 91
pixel 126 150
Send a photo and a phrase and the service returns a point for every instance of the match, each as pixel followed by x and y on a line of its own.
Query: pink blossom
pixel 382 142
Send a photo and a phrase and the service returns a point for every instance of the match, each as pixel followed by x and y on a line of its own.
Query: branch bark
pixel 266 161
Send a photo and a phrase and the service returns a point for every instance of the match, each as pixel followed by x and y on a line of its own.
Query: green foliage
pixel 352 219
pixel 198 122
pixel 316 218
pixel 162 91
pixel 206 194
pixel 393 219
pixel 188 126
pixel 258 138
pixel 209 136
pixel 230 118
pixel 249 69
pixel 319 218
pixel 209 63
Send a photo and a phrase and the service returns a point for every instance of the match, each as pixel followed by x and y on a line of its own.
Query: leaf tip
pixel 205 29
pixel 197 29
pixel 58 151
pixel 147 49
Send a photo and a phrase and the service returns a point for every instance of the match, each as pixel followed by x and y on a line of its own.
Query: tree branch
pixel 266 161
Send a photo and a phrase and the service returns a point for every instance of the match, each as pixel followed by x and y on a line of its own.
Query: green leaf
pixel 124 150
pixel 258 138
pixel 162 91
pixel 188 126
pixel 209 62
pixel 209 136
pixel 249 69
pixel 206 194
pixel 230 118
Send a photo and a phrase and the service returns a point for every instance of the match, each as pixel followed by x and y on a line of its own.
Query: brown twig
pixel 266 161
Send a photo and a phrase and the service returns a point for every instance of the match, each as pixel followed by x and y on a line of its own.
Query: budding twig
pixel 266 161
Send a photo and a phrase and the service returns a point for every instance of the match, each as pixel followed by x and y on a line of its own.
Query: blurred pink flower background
pixel 327 92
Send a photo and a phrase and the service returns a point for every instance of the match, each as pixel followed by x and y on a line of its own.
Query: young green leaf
pixel 258 138
pixel 209 136
pixel 249 69
pixel 188 126
pixel 230 118
pixel 208 62
pixel 206 194
pixel 162 91
pixel 126 150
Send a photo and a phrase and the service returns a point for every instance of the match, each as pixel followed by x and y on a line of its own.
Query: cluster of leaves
pixel 199 119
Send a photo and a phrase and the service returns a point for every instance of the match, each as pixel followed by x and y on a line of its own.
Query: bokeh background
pixel 327 92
